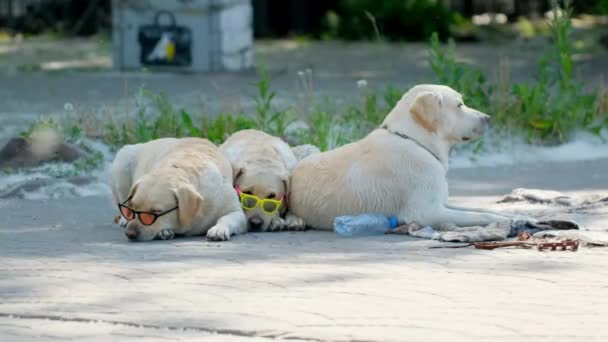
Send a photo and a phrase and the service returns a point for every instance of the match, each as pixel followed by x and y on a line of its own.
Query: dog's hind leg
pixel 477 210
pixel 507 216
pixel 465 217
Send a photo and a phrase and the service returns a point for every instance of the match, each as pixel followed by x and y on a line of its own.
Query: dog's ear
pixel 189 202
pixel 287 186
pixel 286 183
pixel 425 110
pixel 237 172
pixel 131 192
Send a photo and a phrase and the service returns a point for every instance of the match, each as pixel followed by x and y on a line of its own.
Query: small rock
pixel 28 152
pixel 16 153
pixel 68 152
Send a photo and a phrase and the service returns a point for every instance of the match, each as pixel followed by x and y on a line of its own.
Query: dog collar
pixel 401 135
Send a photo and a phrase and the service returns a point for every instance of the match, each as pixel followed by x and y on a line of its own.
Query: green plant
pixel 42 123
pixel 361 118
pixel 263 102
pixel 469 81
pixel 158 118
pixel 93 161
pixel 223 125
pixel 267 117
pixel 392 95
pixel 332 24
pixel 188 124
pixel 549 109
pixel 321 125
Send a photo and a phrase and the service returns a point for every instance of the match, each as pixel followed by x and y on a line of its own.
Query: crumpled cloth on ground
pixel 493 232
pixel 507 229
pixel 552 197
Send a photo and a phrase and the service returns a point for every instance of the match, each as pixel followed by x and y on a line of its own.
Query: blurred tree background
pixel 69 17
pixel 409 20
pixel 328 19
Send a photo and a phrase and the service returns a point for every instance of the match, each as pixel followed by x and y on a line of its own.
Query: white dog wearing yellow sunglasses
pixel 169 187
pixel 398 169
pixel 262 166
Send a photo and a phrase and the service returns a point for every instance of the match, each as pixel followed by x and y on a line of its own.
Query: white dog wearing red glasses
pixel 262 166
pixel 169 187
pixel 398 169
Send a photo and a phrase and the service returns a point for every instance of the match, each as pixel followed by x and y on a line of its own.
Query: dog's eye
pixel 272 195
pixel 460 104
pixel 247 192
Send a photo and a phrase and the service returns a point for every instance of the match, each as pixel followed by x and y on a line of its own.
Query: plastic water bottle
pixel 368 224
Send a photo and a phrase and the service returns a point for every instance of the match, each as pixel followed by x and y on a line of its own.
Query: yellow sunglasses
pixel 249 202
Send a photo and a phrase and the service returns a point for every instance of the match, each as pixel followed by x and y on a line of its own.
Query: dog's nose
pixel 131 234
pixel 486 118
pixel 255 224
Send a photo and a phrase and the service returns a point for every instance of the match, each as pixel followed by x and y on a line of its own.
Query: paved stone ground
pixel 66 272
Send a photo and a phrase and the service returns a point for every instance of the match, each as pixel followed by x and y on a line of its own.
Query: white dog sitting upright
pixel 171 186
pixel 399 169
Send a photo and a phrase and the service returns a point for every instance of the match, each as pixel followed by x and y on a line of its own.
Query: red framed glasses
pixel 145 217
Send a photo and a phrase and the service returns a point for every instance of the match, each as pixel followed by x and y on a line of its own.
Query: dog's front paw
pixel 219 233
pixel 166 234
pixel 277 224
pixel 293 222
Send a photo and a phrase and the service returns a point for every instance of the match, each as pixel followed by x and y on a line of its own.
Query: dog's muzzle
pixel 131 234
pixel 255 224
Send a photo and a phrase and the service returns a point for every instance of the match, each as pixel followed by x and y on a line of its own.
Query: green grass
pixel 325 125
pixel 547 110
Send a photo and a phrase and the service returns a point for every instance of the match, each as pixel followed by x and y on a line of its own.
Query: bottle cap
pixel 392 220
